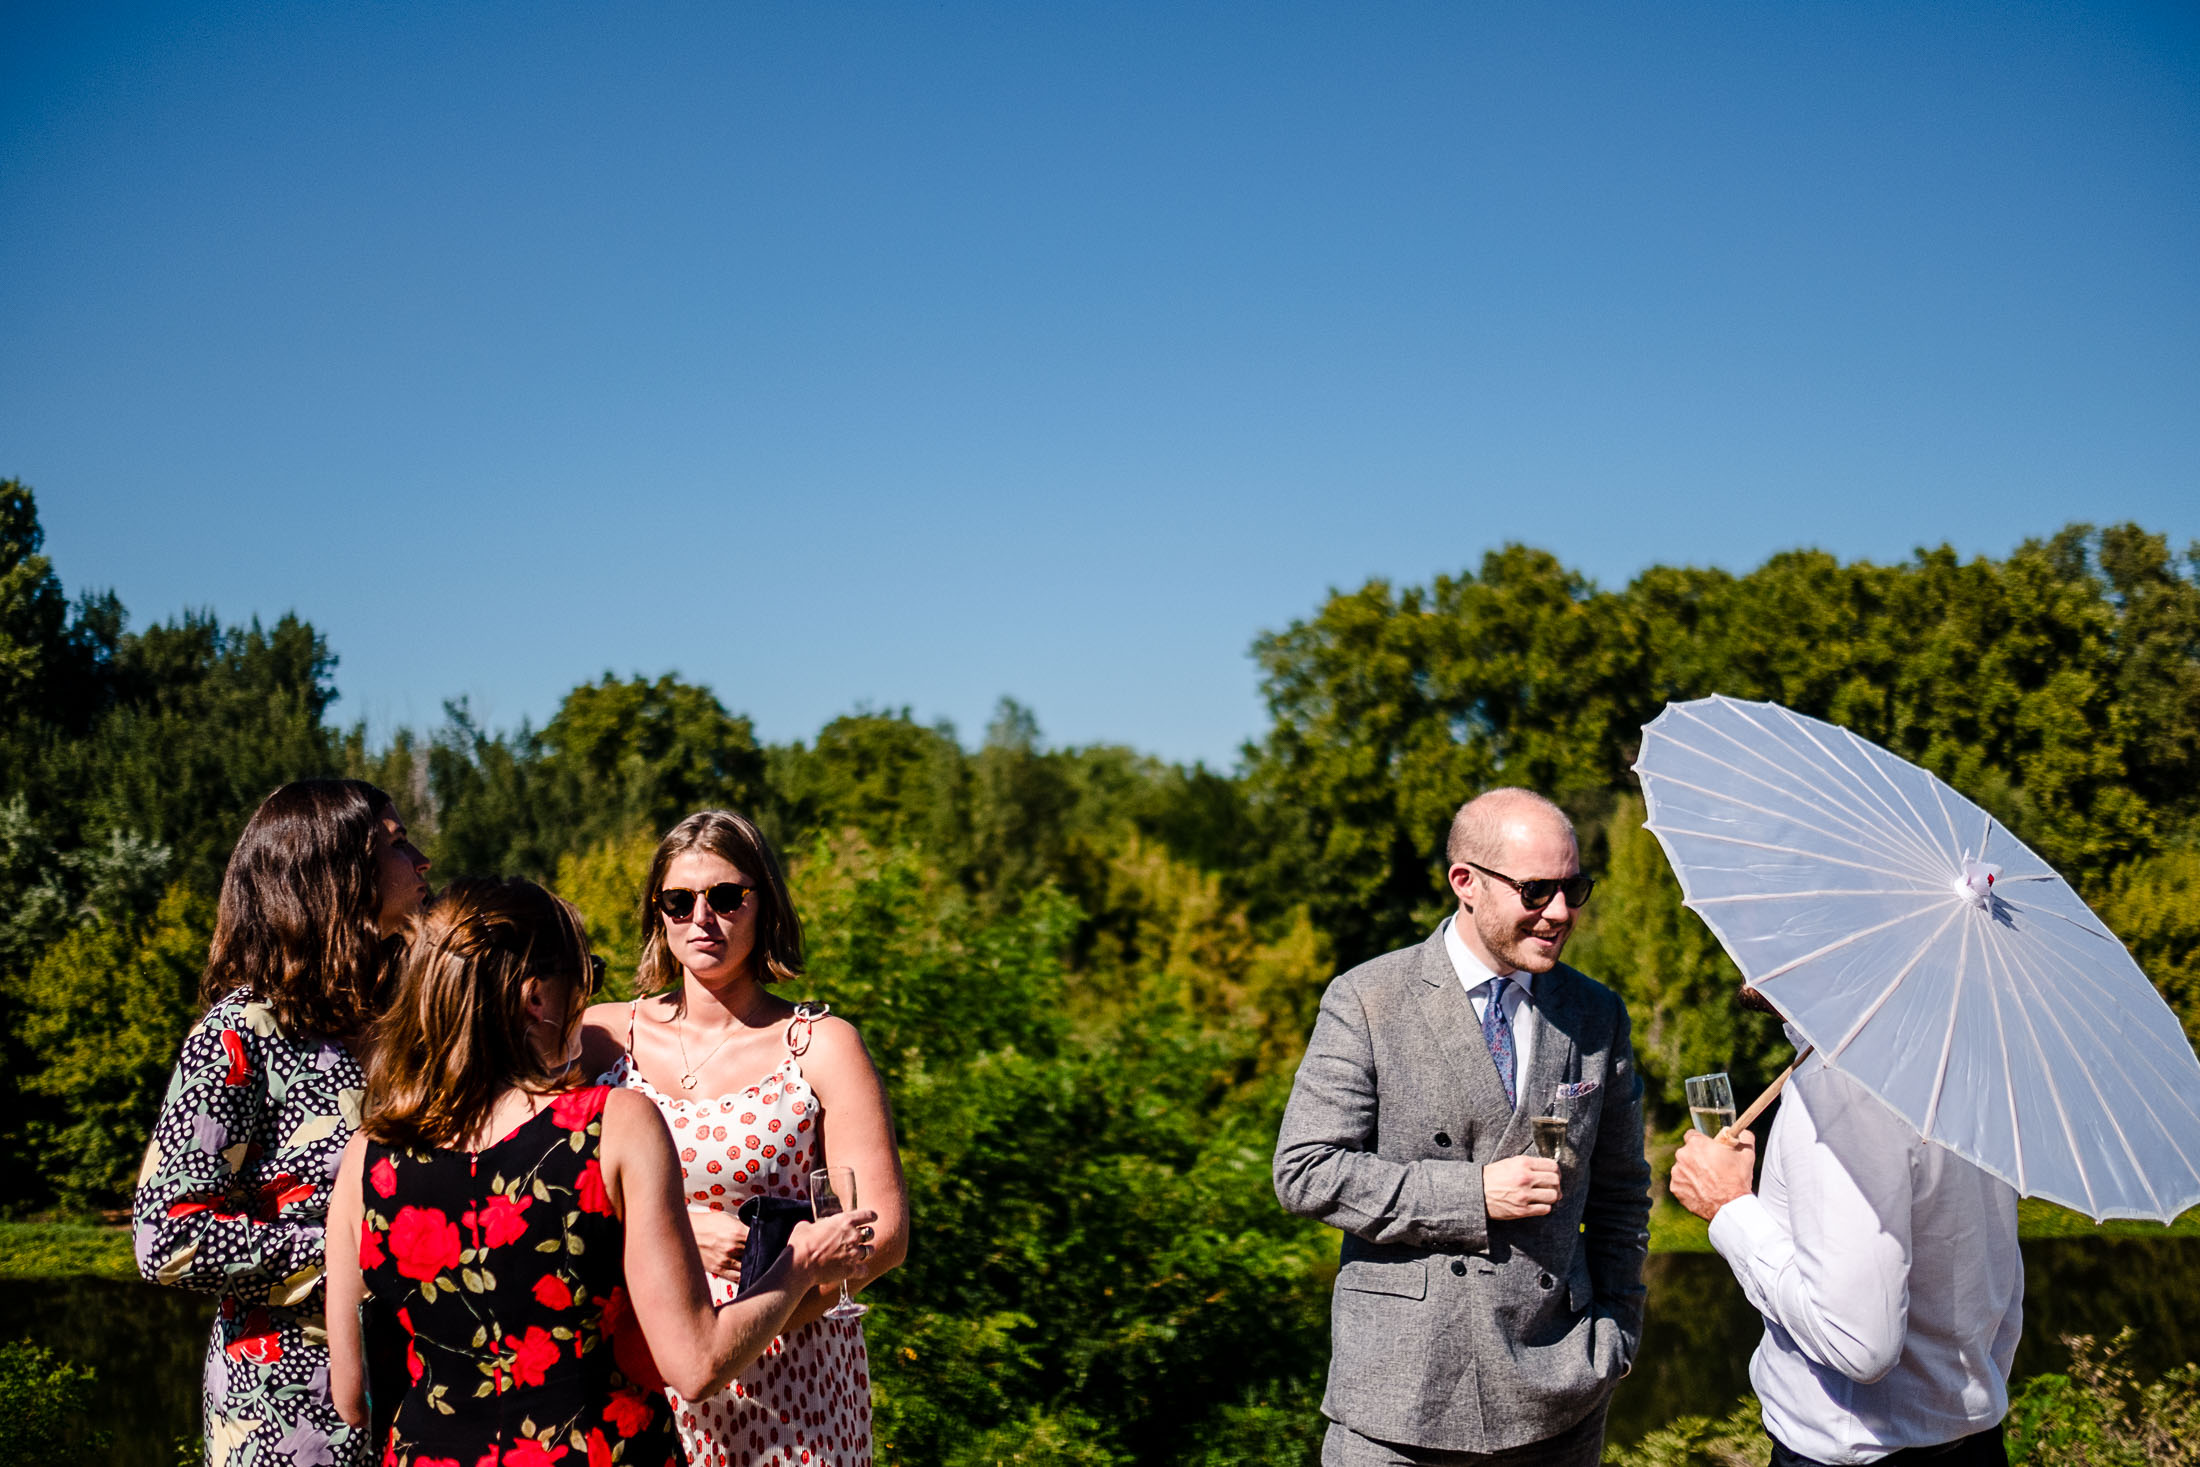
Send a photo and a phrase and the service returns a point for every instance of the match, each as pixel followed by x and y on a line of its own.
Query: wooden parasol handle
pixel 1757 1106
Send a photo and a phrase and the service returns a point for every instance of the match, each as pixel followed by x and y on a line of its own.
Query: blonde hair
pixel 454 1036
pixel 735 840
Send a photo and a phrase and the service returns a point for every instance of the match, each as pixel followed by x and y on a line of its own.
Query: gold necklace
pixel 687 1081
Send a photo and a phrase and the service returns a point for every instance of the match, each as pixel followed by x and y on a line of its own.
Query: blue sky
pixel 837 355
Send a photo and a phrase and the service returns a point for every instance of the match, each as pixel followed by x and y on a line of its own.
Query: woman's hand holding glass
pixel 831 1250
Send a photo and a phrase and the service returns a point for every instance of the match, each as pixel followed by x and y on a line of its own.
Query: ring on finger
pixel 863 1234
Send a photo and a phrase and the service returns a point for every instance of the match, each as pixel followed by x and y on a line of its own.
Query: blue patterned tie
pixel 1498 1035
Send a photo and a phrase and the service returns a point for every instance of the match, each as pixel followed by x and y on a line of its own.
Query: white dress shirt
pixel 1888 1274
pixel 1476 977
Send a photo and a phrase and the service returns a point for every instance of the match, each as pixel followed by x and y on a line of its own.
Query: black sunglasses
pixel 594 980
pixel 725 899
pixel 1536 894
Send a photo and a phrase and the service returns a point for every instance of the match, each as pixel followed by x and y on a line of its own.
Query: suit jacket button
pixel 1459 1266
pixel 1443 1138
pixel 1544 1281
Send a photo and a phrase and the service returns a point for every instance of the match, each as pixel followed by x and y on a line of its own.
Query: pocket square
pixel 1576 1089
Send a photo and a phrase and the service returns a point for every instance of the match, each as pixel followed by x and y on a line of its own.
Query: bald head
pixel 1478 831
pixel 1529 841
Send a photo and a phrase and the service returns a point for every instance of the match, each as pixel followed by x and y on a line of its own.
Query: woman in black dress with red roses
pixel 526 1236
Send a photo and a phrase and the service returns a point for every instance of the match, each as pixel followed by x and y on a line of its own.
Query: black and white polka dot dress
pixel 231 1201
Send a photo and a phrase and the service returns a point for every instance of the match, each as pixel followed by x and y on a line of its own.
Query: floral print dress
pixel 504 1267
pixel 231 1202
pixel 807 1401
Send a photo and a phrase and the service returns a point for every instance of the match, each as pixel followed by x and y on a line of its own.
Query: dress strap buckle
pixel 799 1027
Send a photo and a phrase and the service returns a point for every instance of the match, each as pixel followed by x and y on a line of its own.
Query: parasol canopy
pixel 1928 953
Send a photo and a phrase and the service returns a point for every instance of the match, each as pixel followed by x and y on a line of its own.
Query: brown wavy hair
pixel 454 1036
pixel 735 840
pixel 301 897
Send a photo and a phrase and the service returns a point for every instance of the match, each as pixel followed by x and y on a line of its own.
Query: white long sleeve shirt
pixel 1888 1275
pixel 1474 977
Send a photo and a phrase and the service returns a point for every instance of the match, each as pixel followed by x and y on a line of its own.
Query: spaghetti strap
pixel 805 1018
pixel 632 1009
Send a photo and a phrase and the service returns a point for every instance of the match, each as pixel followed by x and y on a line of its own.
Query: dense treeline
pixel 1086 973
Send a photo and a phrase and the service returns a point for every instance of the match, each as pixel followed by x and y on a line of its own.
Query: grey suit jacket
pixel 1450 1331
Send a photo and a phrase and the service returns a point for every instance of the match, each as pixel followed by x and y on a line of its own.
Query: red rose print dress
pixel 503 1268
pixel 807 1401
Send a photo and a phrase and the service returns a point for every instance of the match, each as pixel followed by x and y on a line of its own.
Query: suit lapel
pixel 1558 1013
pixel 1450 1013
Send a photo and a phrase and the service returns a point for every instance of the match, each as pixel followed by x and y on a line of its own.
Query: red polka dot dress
pixel 807 1401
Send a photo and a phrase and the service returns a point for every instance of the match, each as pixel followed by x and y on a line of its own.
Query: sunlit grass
pixel 42 1250
pixel 49 1250
pixel 1673 1229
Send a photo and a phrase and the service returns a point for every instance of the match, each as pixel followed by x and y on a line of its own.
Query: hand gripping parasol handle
pixel 1757 1106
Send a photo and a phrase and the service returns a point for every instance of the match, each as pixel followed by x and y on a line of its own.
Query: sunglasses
pixel 1536 894
pixel 725 898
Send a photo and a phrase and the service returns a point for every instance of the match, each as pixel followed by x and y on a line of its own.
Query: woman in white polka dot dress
pixel 759 1092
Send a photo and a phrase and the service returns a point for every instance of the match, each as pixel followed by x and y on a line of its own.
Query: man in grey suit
pixel 1487 1299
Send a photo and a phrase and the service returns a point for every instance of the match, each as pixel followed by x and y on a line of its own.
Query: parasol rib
pixel 2094 931
pixel 1895 850
pixel 1947 1039
pixel 1920 849
pixel 2143 1096
pixel 1857 936
pixel 1917 830
pixel 2047 1077
pixel 1888 992
pixel 1758 845
pixel 1839 773
pixel 1882 849
pixel 1791 896
pixel 2115 1120
pixel 1954 838
pixel 2016 1133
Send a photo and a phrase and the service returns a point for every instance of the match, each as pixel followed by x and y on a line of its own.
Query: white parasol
pixel 1927 953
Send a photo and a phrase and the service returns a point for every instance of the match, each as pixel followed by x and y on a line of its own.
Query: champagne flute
pixel 1550 1127
pixel 832 1192
pixel 1710 1103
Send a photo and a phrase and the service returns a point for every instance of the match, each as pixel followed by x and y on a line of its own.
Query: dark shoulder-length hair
pixel 735 840
pixel 455 1033
pixel 301 900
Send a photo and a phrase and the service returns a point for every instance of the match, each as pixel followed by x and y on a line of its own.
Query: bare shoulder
pixel 834 1040
pixel 603 1035
pixel 630 1114
pixel 837 1063
pixel 609 1016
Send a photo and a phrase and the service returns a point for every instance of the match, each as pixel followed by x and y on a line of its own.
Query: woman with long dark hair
pixel 234 1190
pixel 524 1230
pixel 759 1093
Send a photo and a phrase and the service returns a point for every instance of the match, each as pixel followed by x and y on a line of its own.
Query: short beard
pixel 1749 998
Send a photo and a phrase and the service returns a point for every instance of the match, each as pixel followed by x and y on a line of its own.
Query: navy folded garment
pixel 771 1223
pixel 383 1341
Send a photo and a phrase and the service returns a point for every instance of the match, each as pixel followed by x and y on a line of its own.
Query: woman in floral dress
pixel 235 1185
pixel 526 1236
pixel 758 1093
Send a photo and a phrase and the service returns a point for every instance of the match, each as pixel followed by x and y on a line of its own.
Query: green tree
pixel 45 1408
pixel 1678 982
pixel 33 611
pixel 881 775
pixel 105 1010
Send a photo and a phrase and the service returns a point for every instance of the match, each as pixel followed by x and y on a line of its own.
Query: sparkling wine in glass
pixel 832 1192
pixel 1710 1102
pixel 1550 1125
